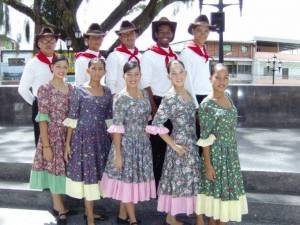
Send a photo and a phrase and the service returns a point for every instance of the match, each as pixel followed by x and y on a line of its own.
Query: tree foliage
pixel 61 15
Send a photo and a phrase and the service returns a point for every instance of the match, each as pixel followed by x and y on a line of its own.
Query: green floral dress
pixel 223 199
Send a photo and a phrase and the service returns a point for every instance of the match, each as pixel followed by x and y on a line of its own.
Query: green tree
pixel 61 15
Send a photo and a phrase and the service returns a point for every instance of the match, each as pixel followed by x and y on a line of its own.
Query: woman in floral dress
pixel 128 175
pixel 48 169
pixel 222 195
pixel 178 186
pixel 88 143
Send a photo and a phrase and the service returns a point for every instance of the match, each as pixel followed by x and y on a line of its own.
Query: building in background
pixel 247 60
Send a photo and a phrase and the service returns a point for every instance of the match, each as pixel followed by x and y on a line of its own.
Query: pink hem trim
pixel 156 130
pixel 116 129
pixel 127 192
pixel 176 205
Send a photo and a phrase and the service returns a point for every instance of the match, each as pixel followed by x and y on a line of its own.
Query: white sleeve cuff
pixel 68 122
pixel 206 142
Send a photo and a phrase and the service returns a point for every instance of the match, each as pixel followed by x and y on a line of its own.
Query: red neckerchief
pixel 41 56
pixel 87 55
pixel 156 48
pixel 197 50
pixel 122 48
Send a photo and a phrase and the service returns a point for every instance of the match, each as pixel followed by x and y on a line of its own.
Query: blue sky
pixel 269 18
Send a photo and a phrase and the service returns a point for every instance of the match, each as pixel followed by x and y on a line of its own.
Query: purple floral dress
pixel 90 142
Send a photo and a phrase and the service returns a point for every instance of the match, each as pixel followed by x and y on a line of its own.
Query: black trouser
pixel 159 147
pixel 35 124
pixel 199 100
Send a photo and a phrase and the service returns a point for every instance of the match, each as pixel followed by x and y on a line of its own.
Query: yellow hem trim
pixel 78 189
pixel 224 211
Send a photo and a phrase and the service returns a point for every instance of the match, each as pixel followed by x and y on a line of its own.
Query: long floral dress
pixel 90 142
pixel 53 106
pixel 224 199
pixel 135 182
pixel 178 186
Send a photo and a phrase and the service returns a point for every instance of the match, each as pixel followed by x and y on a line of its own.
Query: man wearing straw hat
pixel 125 52
pixel 93 39
pixel 37 72
pixel 196 60
pixel 155 80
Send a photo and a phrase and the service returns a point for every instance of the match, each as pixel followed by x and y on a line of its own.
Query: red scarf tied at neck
pixel 156 48
pixel 43 58
pixel 87 55
pixel 122 48
pixel 197 50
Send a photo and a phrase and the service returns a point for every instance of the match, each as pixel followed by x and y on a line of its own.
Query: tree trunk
pixel 38 22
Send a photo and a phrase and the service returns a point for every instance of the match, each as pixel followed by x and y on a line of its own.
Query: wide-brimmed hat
pixel 45 32
pixel 126 26
pixel 201 20
pixel 160 22
pixel 94 30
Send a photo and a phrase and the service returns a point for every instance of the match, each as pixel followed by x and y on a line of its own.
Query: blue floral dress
pixel 179 183
pixel 135 182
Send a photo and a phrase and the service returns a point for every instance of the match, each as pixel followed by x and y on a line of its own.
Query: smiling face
pixel 177 74
pixel 47 45
pixel 132 77
pixel 200 33
pixel 94 42
pixel 96 71
pixel 164 35
pixel 128 39
pixel 220 78
pixel 60 69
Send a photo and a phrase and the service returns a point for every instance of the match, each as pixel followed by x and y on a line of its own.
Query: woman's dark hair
pixel 172 62
pixel 59 57
pixel 97 60
pixel 217 67
pixel 131 65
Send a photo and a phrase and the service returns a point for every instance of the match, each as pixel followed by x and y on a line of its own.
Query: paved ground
pixel 276 150
pixel 39 217
pixel 260 149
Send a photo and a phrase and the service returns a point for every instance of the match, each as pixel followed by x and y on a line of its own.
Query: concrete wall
pixel 267 105
pixel 259 106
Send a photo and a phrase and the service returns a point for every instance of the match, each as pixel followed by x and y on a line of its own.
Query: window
pixel 285 73
pixel 245 69
pixel 232 70
pixel 267 72
pixel 244 49
pixel 227 48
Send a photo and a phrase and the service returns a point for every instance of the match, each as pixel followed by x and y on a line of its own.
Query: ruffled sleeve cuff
pixel 68 122
pixel 207 142
pixel 116 129
pixel 157 130
pixel 42 117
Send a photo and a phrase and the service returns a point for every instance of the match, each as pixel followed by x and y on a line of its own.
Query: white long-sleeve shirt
pixel 35 74
pixel 81 65
pixel 114 67
pixel 198 73
pixel 154 72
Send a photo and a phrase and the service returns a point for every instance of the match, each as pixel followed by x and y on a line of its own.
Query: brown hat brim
pixel 39 36
pixel 157 24
pixel 94 34
pixel 126 30
pixel 193 25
